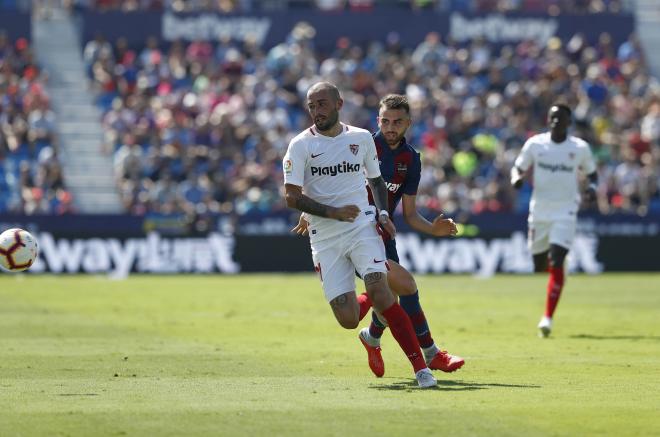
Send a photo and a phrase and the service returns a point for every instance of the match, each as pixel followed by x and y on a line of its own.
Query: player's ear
pixel 340 103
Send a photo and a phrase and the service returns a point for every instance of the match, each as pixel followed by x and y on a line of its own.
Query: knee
pixel 541 263
pixel 540 268
pixel 401 281
pixel 349 322
pixel 408 286
pixel 557 261
pixel 381 297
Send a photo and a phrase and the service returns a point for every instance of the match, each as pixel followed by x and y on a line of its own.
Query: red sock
pixel 555 284
pixel 365 304
pixel 403 332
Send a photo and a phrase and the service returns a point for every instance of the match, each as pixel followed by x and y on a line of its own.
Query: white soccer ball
pixel 18 250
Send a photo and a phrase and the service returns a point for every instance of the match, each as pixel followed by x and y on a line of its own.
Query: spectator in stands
pixel 202 127
pixel 31 180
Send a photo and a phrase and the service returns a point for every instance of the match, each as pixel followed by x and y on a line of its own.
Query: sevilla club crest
pixel 354 148
pixel 571 155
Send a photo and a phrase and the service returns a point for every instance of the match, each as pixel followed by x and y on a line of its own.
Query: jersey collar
pixel 314 131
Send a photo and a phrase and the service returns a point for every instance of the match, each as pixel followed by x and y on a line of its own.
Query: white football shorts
pixel 541 235
pixel 337 259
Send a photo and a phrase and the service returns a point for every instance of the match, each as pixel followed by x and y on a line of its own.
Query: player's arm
pixel 440 227
pixel 379 193
pixel 517 176
pixel 297 200
pixel 521 165
pixel 294 163
pixel 377 185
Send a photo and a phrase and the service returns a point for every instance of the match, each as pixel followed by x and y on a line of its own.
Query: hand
pixel 516 178
pixel 442 227
pixel 387 224
pixel 301 227
pixel 346 213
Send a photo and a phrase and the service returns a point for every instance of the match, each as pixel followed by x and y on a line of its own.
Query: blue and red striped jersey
pixel 401 169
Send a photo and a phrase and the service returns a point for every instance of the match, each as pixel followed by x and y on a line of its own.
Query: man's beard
pixel 393 140
pixel 329 121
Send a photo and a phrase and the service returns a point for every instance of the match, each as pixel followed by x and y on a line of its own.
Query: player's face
pixel 558 119
pixel 324 109
pixel 393 123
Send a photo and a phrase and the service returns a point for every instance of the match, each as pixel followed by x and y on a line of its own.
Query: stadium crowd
pixel 202 127
pixel 31 178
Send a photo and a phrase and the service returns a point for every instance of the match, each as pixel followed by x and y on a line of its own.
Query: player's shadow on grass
pixel 615 337
pixel 448 386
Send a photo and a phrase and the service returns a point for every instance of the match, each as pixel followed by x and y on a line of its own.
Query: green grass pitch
pixel 262 355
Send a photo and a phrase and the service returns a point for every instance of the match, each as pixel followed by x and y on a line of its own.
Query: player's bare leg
pixel 346 309
pixel 403 284
pixel 553 262
pixel 384 301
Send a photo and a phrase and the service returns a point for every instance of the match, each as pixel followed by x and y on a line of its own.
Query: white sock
pixel 371 341
pixel 429 352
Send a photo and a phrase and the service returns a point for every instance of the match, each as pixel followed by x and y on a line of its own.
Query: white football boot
pixel 425 378
pixel 545 327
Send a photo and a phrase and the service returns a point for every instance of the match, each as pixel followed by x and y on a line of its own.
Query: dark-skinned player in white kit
pixel 555 158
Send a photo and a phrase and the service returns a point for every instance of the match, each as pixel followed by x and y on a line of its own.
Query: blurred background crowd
pixel 202 127
pixel 30 173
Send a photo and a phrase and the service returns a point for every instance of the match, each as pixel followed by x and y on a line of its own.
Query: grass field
pixel 262 355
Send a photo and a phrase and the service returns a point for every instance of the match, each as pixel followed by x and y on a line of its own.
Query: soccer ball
pixel 18 250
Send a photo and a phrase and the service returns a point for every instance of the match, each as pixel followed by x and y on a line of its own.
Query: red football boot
pixel 445 362
pixel 376 363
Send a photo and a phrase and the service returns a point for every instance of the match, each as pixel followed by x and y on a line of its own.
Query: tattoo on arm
pixel 372 278
pixel 306 204
pixel 338 301
pixel 379 192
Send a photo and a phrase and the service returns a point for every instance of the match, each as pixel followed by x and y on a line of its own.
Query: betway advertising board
pixel 268 29
pixel 609 245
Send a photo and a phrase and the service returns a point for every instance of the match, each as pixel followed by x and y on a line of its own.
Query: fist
pixel 443 227
pixel 346 213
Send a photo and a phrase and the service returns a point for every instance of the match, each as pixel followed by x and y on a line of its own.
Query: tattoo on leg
pixel 339 301
pixel 372 278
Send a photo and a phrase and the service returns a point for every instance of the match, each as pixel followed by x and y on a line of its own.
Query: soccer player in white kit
pixel 555 158
pixel 324 176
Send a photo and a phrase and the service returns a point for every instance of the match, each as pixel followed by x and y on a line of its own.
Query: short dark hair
pixel 395 101
pixel 325 86
pixel 564 107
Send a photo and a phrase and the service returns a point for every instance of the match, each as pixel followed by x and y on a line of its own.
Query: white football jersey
pixel 331 170
pixel 556 194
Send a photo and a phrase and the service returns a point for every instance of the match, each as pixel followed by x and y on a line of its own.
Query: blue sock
pixel 412 307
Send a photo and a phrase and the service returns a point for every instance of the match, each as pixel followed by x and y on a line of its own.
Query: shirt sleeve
pixel 294 163
pixel 371 159
pixel 588 164
pixel 413 175
pixel 525 158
